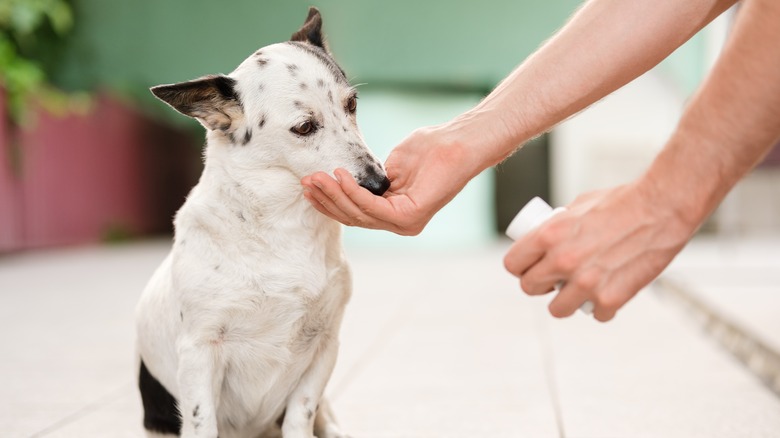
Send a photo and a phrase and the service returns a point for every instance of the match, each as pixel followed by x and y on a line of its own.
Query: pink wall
pixel 83 177
pixel 10 199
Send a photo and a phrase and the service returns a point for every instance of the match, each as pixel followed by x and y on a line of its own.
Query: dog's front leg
pixel 303 402
pixel 199 380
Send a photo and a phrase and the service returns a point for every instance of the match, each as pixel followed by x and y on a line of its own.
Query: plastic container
pixel 533 214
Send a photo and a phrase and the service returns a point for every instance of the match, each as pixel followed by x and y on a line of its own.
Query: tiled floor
pixel 433 345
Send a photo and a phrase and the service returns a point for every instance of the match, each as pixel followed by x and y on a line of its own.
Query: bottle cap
pixel 529 217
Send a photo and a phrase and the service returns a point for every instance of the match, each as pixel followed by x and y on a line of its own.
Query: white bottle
pixel 531 216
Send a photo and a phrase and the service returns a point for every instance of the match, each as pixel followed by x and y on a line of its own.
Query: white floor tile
pixel 433 345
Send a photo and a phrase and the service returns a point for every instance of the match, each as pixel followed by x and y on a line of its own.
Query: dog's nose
pixel 374 182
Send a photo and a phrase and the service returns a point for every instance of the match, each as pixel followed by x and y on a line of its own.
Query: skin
pixel 608 244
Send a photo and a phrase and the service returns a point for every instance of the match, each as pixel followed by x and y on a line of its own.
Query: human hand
pixel 426 171
pixel 604 248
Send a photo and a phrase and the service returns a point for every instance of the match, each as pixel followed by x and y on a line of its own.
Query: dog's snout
pixel 375 182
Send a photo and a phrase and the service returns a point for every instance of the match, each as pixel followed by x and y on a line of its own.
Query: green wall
pixel 127 46
pixel 130 45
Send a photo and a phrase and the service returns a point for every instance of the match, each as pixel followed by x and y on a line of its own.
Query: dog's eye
pixel 352 104
pixel 306 128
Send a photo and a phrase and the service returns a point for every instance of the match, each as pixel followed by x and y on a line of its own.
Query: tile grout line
pixel 758 358
pixel 548 359
pixel 82 412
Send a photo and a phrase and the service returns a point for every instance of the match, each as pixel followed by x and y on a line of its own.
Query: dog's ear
pixel 311 31
pixel 212 100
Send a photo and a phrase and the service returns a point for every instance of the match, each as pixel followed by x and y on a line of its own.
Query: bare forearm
pixel 731 122
pixel 605 45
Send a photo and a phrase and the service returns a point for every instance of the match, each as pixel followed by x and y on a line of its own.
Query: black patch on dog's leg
pixel 160 413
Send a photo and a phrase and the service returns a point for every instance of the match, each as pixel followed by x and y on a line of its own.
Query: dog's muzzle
pixel 374 182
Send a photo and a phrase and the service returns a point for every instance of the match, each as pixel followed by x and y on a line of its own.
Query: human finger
pixel 539 279
pixel 324 204
pixel 366 202
pixel 329 192
pixel 574 293
pixel 619 290
pixel 530 249
pixel 331 189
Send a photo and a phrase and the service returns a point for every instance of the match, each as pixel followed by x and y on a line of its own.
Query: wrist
pixel 688 178
pixel 485 138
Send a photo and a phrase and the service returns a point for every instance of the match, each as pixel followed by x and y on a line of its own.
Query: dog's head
pixel 288 105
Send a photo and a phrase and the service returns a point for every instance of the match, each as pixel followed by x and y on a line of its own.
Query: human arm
pixel 610 244
pixel 606 44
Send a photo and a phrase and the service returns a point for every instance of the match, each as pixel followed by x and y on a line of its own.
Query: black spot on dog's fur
pixel 292 69
pixel 321 83
pixel 330 96
pixel 181 315
pixel 195 411
pixel 309 414
pixel 323 56
pixel 298 104
pixel 232 137
pixel 262 62
pixel 261 123
pixel 259 52
pixel 247 137
pixel 240 216
pixel 261 87
pixel 160 413
pixel 303 85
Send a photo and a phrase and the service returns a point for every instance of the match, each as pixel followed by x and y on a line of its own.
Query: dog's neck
pixel 259 199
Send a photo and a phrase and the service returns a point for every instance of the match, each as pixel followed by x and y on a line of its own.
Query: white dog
pixel 238 328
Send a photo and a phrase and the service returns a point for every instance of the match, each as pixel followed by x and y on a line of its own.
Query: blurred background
pixel 87 155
